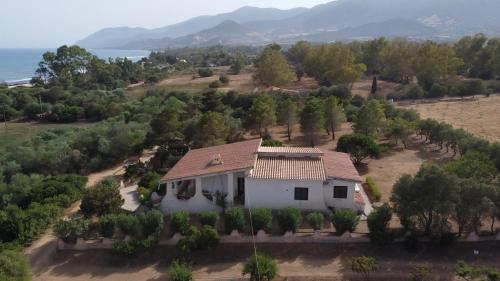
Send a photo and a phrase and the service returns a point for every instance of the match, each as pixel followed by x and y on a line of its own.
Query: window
pixel 340 192
pixel 301 193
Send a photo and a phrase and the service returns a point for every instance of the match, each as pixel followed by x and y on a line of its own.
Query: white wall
pixel 278 194
pixel 337 203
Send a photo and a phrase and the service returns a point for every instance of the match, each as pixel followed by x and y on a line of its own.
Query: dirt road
pixel 301 262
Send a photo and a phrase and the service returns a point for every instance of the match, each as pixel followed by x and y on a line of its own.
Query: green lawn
pixel 17 132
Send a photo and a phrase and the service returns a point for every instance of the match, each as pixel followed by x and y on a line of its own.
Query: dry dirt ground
pixel 480 116
pixel 242 82
pixel 386 170
pixel 304 262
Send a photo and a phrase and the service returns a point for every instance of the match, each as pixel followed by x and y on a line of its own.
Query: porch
pixel 203 193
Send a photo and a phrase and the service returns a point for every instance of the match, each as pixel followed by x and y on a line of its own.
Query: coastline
pixel 19 65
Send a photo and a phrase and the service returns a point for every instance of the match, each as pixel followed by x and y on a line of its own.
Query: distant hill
pixel 337 20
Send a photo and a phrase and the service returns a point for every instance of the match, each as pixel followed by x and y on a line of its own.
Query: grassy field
pixel 16 132
pixel 480 116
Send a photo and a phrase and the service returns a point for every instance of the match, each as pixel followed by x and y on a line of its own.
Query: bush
pixel 179 272
pixel 70 230
pixel 415 92
pixel 260 268
pixel 261 219
pixel 102 199
pixel 224 79
pixel 189 242
pixel 471 88
pixel 107 225
pixel 363 265
pixel 234 219
pixel 316 220
pixel 209 218
pixel 13 266
pixel 179 222
pixel 209 238
pixel 151 223
pixel 421 273
pixel 128 224
pixel 289 219
pixel 123 248
pixel 205 72
pixel 378 222
pixel 373 189
pixel 150 181
pixel 438 91
pixel 345 220
pixel 214 84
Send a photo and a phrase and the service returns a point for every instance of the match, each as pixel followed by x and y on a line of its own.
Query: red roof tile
pixel 339 165
pixel 198 162
pixel 289 168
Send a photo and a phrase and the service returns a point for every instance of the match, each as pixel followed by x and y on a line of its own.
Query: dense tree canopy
pixel 272 68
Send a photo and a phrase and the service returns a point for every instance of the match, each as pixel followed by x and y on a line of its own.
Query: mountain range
pixel 337 20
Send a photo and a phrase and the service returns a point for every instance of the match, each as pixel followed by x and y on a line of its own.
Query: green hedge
pixel 373 189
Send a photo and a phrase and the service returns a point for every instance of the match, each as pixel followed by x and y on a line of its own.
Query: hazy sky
pixel 50 23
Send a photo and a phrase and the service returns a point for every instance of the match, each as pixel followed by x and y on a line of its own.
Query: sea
pixel 18 66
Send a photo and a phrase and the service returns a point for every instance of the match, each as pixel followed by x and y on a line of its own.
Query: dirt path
pixel 300 262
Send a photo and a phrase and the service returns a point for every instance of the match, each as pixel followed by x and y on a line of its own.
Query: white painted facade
pixel 271 185
pixel 260 193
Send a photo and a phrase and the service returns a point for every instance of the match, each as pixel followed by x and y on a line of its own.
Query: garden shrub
pixel 345 220
pixel 123 248
pixel 209 218
pixel 208 238
pixel 260 268
pixel 316 220
pixel 373 189
pixel 179 222
pixel 234 219
pixel 261 219
pixel 289 219
pixel 152 223
pixel 107 225
pixel 272 143
pixel 71 229
pixel 378 223
pixel 189 242
pixel 128 224
pixel 178 271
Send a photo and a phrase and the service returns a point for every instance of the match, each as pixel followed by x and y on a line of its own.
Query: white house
pixel 252 176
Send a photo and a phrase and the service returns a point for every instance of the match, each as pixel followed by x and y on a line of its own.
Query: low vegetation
pixel 260 268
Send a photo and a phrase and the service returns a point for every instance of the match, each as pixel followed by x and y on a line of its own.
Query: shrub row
pixel 289 219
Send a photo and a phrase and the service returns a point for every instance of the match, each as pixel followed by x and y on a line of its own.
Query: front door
pixel 241 189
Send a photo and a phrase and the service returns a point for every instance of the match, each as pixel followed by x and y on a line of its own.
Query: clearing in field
pixel 480 116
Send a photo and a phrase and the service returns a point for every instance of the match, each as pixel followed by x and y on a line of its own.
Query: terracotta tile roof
pixel 198 162
pixel 289 168
pixel 339 165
